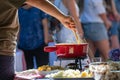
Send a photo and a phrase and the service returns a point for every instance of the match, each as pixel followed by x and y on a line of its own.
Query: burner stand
pixel 78 64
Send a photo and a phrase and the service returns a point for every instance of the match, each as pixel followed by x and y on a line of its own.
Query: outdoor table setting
pixel 54 73
pixel 95 70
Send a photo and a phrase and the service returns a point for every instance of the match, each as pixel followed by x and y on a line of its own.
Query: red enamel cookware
pixel 68 50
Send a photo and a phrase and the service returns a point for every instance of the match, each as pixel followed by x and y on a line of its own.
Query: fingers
pixel 71 23
pixel 70 26
pixel 68 22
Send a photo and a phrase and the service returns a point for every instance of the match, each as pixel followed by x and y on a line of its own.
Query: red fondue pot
pixel 68 50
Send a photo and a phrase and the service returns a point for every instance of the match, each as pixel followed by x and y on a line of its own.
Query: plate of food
pixel 46 69
pixel 105 70
pixel 99 67
pixel 28 74
pixel 70 74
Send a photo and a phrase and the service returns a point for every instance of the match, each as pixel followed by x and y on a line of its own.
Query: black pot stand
pixel 78 61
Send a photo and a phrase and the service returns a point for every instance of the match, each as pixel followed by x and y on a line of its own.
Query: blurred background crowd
pixel 97 21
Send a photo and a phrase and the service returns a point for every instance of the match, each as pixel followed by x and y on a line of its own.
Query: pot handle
pixel 50 48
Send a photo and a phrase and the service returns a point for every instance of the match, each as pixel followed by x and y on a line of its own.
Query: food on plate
pixel 106 70
pixel 70 73
pixel 114 66
pixel 99 67
pixel 28 74
pixel 44 68
pixel 49 68
pixel 84 74
pixel 112 75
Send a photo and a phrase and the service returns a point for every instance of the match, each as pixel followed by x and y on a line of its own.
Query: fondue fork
pixel 78 39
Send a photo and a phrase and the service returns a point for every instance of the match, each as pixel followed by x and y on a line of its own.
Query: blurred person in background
pixel 95 26
pixel 9 27
pixel 117 4
pixel 114 17
pixel 33 36
pixel 80 4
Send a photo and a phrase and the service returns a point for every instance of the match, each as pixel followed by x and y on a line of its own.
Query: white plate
pixel 47 72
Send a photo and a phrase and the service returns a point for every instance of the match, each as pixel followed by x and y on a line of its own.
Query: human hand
pixel 108 24
pixel 68 22
pixel 117 16
pixel 118 19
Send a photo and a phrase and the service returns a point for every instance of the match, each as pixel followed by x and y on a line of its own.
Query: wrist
pixel 61 17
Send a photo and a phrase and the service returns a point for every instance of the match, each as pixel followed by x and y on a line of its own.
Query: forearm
pixel 113 7
pixel 43 5
pixel 106 21
pixel 50 9
pixel 74 12
pixel 103 16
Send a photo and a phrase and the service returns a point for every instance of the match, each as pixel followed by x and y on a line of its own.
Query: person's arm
pixel 107 23
pixel 74 12
pixel 100 10
pixel 46 30
pixel 50 9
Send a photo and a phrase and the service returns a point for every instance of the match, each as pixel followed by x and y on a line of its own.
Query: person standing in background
pixel 114 17
pixel 9 27
pixel 95 26
pixel 117 4
pixel 33 35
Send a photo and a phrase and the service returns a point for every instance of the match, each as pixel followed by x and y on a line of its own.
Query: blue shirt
pixel 31 34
